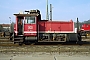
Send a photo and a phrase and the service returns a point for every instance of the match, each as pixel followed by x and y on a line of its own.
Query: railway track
pixel 4 41
pixel 7 46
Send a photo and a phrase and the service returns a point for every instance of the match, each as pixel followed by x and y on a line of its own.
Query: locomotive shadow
pixel 84 42
pixel 64 43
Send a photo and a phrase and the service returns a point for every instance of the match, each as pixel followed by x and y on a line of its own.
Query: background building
pixel 4 27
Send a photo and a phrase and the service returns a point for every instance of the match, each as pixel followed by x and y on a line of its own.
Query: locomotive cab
pixel 26 25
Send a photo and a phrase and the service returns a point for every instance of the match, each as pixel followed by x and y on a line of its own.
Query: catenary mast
pixel 47 15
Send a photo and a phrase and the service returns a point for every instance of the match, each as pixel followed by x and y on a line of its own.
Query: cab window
pixel 30 20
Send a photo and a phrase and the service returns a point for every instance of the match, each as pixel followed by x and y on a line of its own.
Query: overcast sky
pixel 62 9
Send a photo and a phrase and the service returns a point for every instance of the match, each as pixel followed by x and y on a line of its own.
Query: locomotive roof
pixel 26 14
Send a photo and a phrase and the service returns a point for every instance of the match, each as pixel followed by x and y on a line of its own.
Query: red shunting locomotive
pixel 30 28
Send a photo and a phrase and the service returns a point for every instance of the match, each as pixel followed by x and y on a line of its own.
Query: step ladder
pixel 18 39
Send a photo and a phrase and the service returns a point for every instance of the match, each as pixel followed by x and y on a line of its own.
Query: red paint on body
pixel 56 26
pixel 30 28
pixel 85 27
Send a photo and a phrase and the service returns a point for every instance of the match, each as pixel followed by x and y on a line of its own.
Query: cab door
pixel 20 26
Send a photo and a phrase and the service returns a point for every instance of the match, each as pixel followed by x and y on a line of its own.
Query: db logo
pixel 30 27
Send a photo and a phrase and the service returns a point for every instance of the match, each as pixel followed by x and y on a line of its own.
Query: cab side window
pixel 30 20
